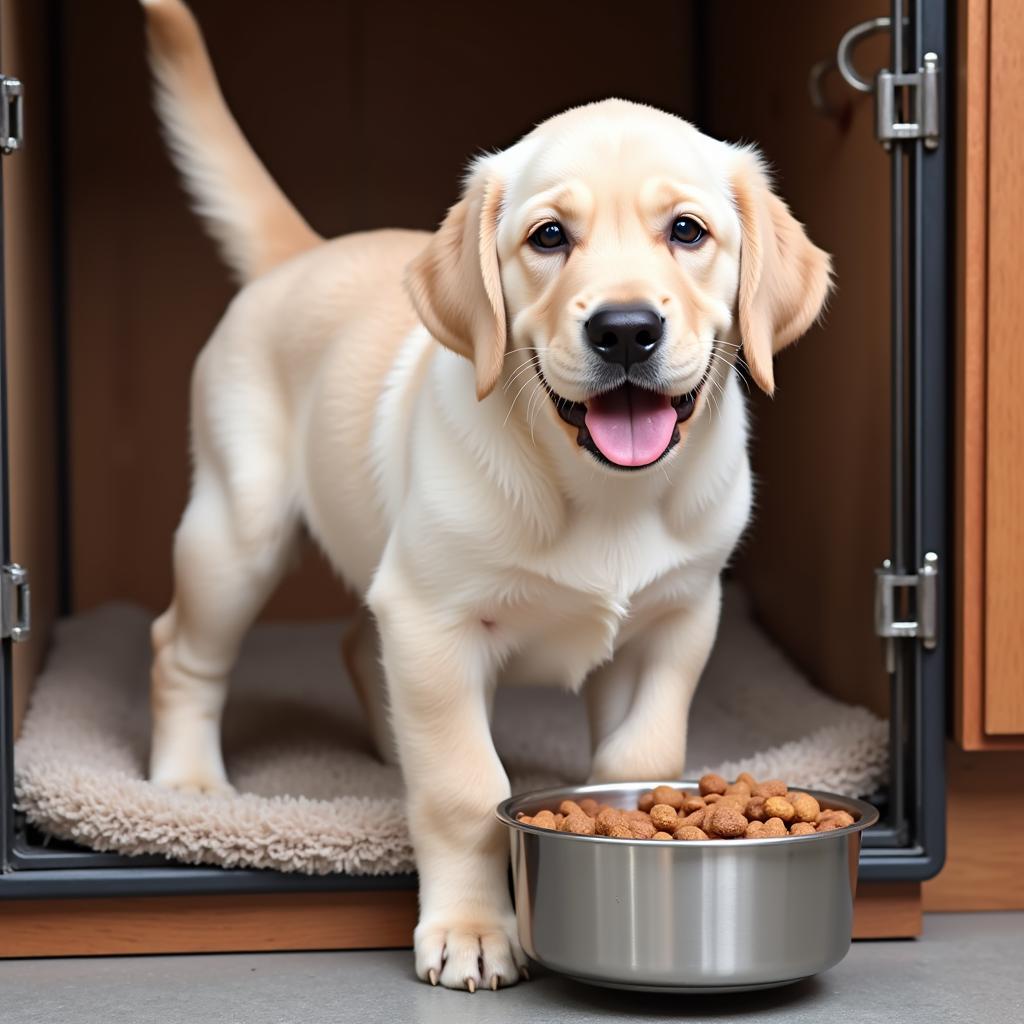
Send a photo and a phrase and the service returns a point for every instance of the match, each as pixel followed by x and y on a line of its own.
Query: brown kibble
pixel 738 789
pixel 642 829
pixel 664 818
pixel 607 819
pixel 779 807
pixel 744 809
pixel 773 787
pixel 689 833
pixel 578 823
pixel 726 821
pixel 805 806
pixel 737 800
pixel 636 816
pixel 668 795
pixel 695 820
pixel 755 808
pixel 839 818
pixel 712 783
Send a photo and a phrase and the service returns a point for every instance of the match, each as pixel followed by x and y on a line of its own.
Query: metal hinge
pixel 15 603
pixel 888 622
pixel 923 100
pixel 921 86
pixel 12 124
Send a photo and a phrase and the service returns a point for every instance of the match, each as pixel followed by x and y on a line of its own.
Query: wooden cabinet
pixel 989 704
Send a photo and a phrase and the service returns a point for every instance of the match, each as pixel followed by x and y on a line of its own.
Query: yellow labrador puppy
pixel 520 438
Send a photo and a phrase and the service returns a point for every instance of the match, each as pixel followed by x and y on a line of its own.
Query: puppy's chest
pixel 567 611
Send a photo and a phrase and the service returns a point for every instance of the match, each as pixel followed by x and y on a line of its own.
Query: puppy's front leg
pixel 439 671
pixel 649 742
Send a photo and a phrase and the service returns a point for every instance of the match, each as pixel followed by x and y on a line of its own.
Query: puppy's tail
pixel 250 218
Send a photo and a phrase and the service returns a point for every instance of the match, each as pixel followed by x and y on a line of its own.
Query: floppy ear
pixel 784 277
pixel 455 283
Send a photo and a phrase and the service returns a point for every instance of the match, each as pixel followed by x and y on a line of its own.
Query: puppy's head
pixel 622 258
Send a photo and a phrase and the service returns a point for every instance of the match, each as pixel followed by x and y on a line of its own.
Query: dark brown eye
pixel 549 236
pixel 687 231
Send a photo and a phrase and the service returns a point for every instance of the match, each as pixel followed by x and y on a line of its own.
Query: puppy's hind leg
pixel 360 650
pixel 229 552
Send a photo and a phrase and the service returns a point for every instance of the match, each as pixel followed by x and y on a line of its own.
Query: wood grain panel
pixel 222 924
pixel 984 834
pixel 207 924
pixel 971 379
pixel 1004 512
pixel 31 373
pixel 970 376
pixel 887 910
pixel 821 448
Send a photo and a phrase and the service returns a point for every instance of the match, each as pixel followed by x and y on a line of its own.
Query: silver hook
pixel 844 52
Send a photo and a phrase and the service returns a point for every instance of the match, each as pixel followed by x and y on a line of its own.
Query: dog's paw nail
pixel 432 976
pixel 494 983
pixel 524 973
pixel 471 985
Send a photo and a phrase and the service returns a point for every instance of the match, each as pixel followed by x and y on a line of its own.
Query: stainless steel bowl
pixel 714 916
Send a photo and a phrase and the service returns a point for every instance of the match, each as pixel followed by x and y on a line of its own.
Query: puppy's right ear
pixel 784 277
pixel 455 283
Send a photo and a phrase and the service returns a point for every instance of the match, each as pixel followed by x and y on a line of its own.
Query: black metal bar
pixel 932 483
pixel 6 695
pixel 182 880
pixel 897 446
pixel 921 678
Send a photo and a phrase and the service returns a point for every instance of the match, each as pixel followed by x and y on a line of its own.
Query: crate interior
pixel 367 114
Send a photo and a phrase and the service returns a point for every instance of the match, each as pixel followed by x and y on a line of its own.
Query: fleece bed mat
pixel 311 796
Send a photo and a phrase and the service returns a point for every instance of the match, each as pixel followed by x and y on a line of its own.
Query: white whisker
pixel 518 393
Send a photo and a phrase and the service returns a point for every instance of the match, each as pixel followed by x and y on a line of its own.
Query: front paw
pixel 189 768
pixel 616 760
pixel 469 953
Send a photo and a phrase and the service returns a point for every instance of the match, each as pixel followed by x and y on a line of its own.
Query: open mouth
pixel 629 427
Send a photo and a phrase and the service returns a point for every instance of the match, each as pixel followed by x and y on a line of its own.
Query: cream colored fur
pixel 439 479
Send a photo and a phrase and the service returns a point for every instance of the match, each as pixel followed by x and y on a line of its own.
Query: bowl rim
pixel 506 813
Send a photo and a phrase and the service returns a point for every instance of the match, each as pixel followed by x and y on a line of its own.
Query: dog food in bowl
pixel 744 809
pixel 702 886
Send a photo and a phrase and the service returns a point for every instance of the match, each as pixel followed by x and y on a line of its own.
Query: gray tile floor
pixel 966 968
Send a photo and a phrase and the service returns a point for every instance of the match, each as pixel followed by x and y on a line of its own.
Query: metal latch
pixel 923 86
pixel 15 603
pixel 891 622
pixel 12 124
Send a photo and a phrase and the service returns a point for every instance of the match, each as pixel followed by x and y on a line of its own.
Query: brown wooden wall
pixel 820 448
pixel 29 313
pixel 367 114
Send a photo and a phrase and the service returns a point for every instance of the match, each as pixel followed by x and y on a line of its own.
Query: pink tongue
pixel 631 426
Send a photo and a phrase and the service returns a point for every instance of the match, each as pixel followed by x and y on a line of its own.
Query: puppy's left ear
pixel 784 277
pixel 455 283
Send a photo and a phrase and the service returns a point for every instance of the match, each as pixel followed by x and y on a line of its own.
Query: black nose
pixel 625 334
